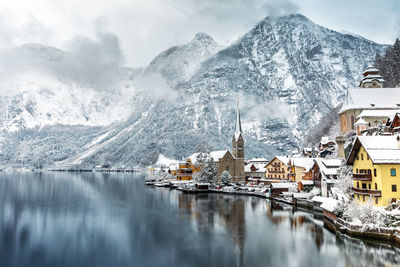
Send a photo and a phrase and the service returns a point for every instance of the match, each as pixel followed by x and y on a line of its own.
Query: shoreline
pixel 337 226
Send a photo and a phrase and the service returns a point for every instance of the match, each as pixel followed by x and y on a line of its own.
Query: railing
pixel 362 176
pixel 274 171
pixel 376 193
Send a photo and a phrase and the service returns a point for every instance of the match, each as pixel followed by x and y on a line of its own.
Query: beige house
pixel 278 168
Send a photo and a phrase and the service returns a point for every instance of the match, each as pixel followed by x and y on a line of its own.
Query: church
pixel 224 159
pixel 367 106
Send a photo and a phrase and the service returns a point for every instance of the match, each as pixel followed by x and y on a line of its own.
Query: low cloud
pixel 155 85
pixel 257 109
pixel 86 61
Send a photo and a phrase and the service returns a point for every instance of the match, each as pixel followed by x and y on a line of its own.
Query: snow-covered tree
pixel 389 65
pixel 208 173
pixel 226 177
pixel 343 187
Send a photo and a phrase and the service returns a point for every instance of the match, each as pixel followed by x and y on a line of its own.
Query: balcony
pixel 275 171
pixel 366 192
pixel 362 177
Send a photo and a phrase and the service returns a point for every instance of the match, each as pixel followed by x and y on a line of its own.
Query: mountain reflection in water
pixel 112 219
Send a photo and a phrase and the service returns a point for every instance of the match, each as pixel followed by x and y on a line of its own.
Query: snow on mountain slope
pixel 33 96
pixel 178 63
pixel 287 72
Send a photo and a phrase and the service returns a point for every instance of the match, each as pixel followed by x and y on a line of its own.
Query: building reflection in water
pixel 207 208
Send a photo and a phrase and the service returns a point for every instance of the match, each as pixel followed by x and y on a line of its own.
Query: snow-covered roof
pixel 283 159
pixel 332 162
pixel 217 155
pixel 173 167
pixel 381 149
pixel 306 163
pixel 378 113
pixel 214 155
pixel 371 98
pixel 258 160
pixel 319 199
pixel 259 166
pixel 369 69
pixel 282 185
pixel 329 204
pixel 307 182
pixel 324 140
pixel 194 158
pixel 328 167
pixel 360 122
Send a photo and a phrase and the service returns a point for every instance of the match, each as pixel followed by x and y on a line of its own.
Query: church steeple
pixel 238 140
pixel 238 128
pixel 371 78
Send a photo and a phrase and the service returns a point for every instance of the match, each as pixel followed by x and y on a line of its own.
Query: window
pixel 374 172
pixel 364 186
pixel 227 168
pixel 357 157
pixel 362 156
pixel 393 200
pixel 369 186
pixel 363 198
pixel 376 200
pixel 376 186
pixel 393 172
pixel 367 157
pixel 356 170
pixel 358 197
pixel 358 185
pixel 394 188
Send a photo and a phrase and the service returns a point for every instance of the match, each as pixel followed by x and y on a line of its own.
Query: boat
pixel 159 183
pixel 150 181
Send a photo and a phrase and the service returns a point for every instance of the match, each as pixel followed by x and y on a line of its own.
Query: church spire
pixel 238 129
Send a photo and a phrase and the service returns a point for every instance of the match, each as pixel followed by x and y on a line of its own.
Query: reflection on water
pixel 95 219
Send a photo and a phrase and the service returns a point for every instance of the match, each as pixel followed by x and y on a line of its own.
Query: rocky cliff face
pixel 286 71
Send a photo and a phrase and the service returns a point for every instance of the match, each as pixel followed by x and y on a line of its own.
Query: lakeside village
pixel 353 180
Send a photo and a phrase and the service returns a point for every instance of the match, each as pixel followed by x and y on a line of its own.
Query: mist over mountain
pixel 287 73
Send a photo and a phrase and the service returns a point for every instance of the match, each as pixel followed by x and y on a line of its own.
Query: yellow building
pixel 376 169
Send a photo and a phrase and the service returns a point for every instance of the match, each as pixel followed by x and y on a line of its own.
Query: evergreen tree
pixel 389 65
pixel 208 173
pixel 226 178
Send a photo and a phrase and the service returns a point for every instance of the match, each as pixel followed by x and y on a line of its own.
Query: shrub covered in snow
pixel 344 184
pixel 368 216
pixel 315 192
pixel 226 177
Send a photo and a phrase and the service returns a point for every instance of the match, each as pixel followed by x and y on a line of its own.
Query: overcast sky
pixel 147 27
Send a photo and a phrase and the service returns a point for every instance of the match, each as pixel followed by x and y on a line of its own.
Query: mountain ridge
pixel 287 71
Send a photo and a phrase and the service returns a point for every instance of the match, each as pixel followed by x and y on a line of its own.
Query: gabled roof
pixel 371 98
pixel 380 149
pixel 361 122
pixel 214 155
pixel 328 167
pixel 217 155
pixel 378 113
pixel 306 163
pixel 283 159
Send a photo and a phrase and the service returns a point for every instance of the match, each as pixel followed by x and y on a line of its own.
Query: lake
pixel 113 219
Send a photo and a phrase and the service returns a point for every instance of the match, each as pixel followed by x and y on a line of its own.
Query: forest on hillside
pixel 389 65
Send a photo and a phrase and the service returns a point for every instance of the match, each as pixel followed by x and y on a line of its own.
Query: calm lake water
pixel 112 219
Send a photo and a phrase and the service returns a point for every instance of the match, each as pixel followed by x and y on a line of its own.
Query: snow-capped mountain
pixel 178 63
pixel 286 71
